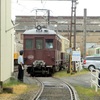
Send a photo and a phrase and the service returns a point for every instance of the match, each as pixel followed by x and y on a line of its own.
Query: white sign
pixel 30 57
pixel 76 56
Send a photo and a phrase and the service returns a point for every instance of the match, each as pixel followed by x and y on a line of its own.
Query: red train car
pixel 42 51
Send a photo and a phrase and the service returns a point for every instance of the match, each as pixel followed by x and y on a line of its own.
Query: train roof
pixel 41 31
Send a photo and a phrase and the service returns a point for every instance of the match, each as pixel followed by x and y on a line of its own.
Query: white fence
pixel 79 66
pixel 95 78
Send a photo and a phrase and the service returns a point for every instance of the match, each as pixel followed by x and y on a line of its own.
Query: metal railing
pixel 95 79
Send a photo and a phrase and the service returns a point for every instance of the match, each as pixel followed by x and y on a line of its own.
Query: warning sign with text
pixel 76 56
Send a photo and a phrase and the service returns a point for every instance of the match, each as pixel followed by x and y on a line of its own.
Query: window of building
pixel 29 44
pixel 49 43
pixel 39 44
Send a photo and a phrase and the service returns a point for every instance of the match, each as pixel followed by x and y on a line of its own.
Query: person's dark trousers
pixel 99 79
pixel 20 73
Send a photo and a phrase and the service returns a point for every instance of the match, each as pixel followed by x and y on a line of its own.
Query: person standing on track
pixel 21 66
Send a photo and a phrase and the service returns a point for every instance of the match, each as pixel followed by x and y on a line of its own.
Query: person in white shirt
pixel 20 67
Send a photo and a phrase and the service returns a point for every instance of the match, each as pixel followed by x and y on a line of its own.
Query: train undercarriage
pixel 39 67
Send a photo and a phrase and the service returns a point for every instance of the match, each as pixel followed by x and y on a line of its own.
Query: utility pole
pixel 74 29
pixel 48 11
pixel 72 33
pixel 85 23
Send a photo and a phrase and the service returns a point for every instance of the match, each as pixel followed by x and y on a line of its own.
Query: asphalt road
pixel 82 80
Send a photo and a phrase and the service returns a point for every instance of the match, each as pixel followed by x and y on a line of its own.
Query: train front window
pixel 39 44
pixel 28 44
pixel 49 43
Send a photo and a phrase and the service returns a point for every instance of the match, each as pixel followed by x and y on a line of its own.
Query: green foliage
pixel 87 91
pixel 11 82
pixel 64 73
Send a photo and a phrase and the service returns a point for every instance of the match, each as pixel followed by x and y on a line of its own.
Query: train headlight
pixel 38 27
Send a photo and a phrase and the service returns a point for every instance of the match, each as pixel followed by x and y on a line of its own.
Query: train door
pixel 39 51
pixel 49 51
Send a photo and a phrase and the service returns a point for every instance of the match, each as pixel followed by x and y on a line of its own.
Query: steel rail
pixel 36 97
pixel 73 92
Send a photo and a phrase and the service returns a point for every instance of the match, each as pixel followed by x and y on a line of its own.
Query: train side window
pixel 39 44
pixel 49 43
pixel 28 44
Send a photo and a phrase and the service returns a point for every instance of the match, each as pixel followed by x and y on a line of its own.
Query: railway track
pixel 55 89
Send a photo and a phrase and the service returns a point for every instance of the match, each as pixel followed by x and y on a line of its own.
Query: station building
pixel 6 40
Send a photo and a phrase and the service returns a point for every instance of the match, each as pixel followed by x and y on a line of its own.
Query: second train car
pixel 42 51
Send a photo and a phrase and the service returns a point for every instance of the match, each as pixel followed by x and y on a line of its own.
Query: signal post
pixel 72 33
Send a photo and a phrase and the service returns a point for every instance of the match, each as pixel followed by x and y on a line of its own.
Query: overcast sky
pixel 57 8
